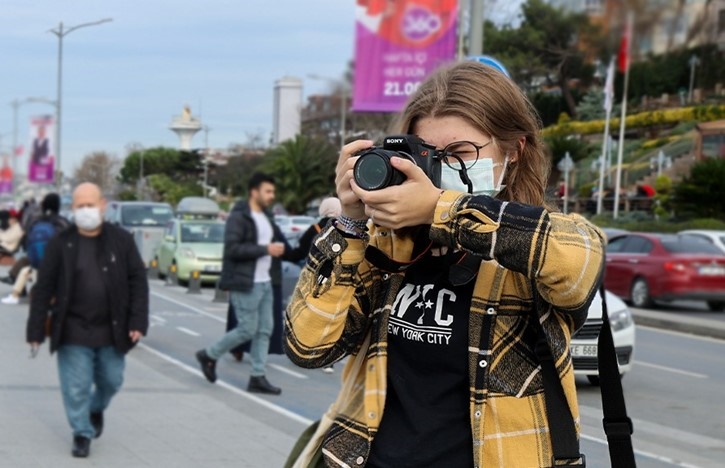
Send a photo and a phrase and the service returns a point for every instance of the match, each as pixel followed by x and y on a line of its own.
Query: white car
pixel 293 226
pixel 709 235
pixel 584 341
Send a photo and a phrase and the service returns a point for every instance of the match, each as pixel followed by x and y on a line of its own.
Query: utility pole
pixel 475 46
pixel 206 159
pixel 694 62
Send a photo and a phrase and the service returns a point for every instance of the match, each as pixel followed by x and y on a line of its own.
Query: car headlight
pixel 186 252
pixel 620 320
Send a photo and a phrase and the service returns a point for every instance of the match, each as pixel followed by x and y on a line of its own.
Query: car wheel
pixel 640 294
pixel 716 306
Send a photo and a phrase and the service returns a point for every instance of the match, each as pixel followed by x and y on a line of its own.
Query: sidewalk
pixel 164 416
pixel 681 323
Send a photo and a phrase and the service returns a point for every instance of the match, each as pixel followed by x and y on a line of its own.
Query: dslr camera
pixel 373 171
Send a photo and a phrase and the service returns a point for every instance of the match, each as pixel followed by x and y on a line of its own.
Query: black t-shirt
pixel 426 421
pixel 88 322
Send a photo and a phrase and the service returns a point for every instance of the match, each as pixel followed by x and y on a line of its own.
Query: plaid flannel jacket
pixel 341 296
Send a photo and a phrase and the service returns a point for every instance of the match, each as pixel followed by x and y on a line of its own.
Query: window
pixel 713 146
pixel 638 245
pixel 616 245
pixel 145 215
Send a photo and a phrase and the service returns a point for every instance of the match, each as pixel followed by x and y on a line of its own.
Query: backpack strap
pixel 318 228
pixel 617 425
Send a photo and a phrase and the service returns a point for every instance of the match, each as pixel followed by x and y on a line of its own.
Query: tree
pixel 548 45
pixel 99 168
pixel 701 194
pixel 304 169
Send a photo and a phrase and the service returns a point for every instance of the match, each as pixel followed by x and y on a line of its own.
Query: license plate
pixel 584 350
pixel 213 268
pixel 712 271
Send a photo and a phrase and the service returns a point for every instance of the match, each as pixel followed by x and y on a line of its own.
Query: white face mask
pixel 481 175
pixel 87 218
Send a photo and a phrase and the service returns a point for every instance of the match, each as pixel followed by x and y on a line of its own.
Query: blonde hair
pixel 495 105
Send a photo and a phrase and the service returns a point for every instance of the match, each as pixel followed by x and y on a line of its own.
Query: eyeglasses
pixel 462 153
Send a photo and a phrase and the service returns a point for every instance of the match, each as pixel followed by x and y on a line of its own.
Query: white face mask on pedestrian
pixel 481 176
pixel 87 218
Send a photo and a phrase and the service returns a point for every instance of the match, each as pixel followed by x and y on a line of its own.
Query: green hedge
pixel 651 225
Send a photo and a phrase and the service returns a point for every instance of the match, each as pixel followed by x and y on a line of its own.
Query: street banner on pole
pixel 6 177
pixel 398 43
pixel 42 150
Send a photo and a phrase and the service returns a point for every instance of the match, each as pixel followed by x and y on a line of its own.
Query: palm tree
pixel 304 169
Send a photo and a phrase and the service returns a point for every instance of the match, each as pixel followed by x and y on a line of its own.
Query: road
pixel 673 391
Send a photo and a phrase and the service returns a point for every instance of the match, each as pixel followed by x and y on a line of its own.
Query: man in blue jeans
pixel 253 248
pixel 93 292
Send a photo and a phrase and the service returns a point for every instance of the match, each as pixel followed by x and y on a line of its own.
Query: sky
pixel 124 80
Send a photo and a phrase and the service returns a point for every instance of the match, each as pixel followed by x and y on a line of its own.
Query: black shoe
pixel 262 385
pixel 97 423
pixel 208 365
pixel 7 280
pixel 81 446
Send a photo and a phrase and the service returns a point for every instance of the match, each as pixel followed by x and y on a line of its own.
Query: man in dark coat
pixel 253 247
pixel 92 288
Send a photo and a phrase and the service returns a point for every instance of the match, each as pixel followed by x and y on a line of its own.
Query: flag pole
pixel 605 147
pixel 622 124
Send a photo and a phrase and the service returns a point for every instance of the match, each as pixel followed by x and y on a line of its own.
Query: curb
pixel 716 330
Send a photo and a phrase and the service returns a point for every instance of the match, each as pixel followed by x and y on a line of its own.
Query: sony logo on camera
pixel 373 170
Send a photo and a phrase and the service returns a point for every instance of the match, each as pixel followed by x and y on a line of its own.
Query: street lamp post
pixel 60 32
pixel 343 104
pixel 206 158
pixel 16 105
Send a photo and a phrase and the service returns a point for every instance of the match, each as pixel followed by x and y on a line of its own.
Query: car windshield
pixel 202 232
pixel 145 215
pixel 689 245
pixel 302 219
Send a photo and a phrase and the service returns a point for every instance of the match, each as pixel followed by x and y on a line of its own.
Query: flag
pixel 623 59
pixel 609 87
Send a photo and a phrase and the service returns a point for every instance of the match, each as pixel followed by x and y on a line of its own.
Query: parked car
pixel 644 267
pixel 192 245
pixel 611 232
pixel 584 341
pixel 717 238
pixel 293 226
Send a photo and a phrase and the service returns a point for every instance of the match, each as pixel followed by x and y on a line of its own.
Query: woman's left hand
pixel 411 203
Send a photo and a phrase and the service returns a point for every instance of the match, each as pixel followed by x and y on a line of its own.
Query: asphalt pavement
pixel 168 415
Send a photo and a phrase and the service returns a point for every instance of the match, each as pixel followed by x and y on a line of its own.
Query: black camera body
pixel 373 171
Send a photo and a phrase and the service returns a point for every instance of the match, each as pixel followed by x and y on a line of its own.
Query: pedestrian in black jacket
pixel 253 248
pixel 92 287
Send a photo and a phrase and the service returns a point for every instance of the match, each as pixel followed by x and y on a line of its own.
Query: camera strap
pixel 617 425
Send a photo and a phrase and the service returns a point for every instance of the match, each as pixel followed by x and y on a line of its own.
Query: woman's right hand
pixel 352 206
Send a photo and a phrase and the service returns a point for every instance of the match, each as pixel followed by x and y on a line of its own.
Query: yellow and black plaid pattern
pixel 340 297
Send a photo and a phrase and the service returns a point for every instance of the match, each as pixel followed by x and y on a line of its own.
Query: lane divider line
pixel 199 311
pixel 288 371
pixel 187 331
pixel 276 408
pixel 670 369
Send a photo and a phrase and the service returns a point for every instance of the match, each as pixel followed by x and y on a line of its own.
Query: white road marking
pixel 157 318
pixel 288 371
pixel 231 388
pixel 199 311
pixel 682 334
pixel 669 461
pixel 670 369
pixel 188 332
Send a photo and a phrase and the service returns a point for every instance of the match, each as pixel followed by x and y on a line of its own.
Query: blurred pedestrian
pixel 11 233
pixel 39 232
pixel 92 298
pixel 329 209
pixel 49 210
pixel 253 245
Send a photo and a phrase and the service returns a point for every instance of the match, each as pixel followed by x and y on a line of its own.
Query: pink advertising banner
pixel 6 177
pixel 398 43
pixel 42 149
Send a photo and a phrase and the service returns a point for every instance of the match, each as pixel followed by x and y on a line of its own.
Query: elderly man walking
pixel 93 291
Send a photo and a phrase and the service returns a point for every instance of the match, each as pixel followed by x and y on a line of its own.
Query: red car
pixel 644 267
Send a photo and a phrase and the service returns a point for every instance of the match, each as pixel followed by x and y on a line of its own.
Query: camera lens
pixel 372 171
